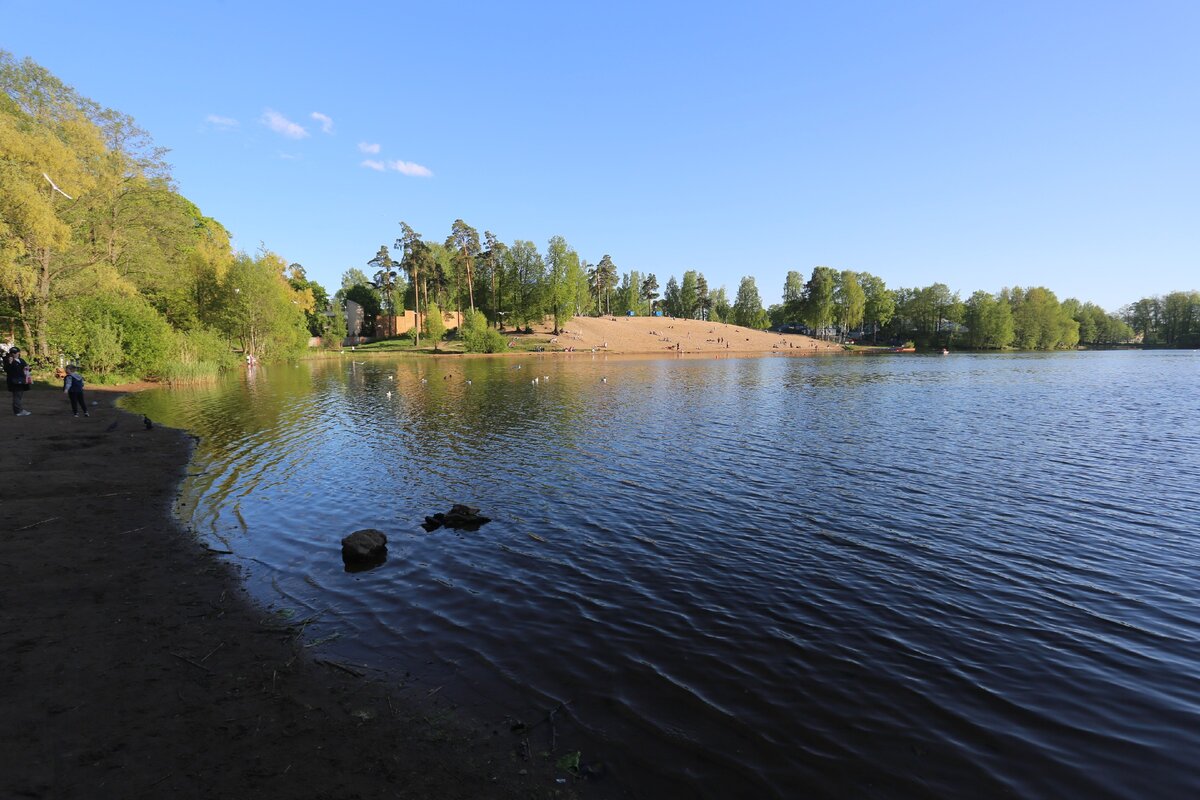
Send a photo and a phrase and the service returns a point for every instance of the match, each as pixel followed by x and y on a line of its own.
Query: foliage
pixel 526 271
pixel 564 276
pixel 478 337
pixel 989 322
pixel 434 326
pixel 819 299
pixel 650 291
pixel 747 309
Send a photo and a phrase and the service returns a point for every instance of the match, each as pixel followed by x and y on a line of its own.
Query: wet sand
pixel 132 663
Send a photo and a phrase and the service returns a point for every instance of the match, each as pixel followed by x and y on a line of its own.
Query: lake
pixel 749 577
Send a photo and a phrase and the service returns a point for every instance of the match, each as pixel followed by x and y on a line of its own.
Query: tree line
pixel 104 262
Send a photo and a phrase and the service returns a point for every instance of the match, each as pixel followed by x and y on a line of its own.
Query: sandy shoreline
pixel 133 664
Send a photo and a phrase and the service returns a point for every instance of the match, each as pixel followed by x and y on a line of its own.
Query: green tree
pixel 491 260
pixel 386 281
pixel 819 299
pixel 563 279
pixel 880 304
pixel 850 301
pixel 435 326
pixel 989 322
pixel 719 303
pixel 526 271
pixel 464 242
pixel 417 262
pixel 703 301
pixel 688 296
pixel 478 337
pixel 793 297
pixel 671 304
pixel 650 291
pixel 747 308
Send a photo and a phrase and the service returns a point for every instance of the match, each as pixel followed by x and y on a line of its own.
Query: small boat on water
pixel 904 349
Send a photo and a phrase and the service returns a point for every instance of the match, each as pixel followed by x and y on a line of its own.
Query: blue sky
pixel 978 144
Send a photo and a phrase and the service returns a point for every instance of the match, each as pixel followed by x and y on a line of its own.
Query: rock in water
pixel 459 516
pixel 365 546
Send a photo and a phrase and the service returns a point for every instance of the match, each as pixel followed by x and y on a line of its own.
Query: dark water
pixel 873 577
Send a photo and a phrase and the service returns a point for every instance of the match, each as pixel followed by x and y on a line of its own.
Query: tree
pixel 492 261
pixel 416 258
pixel 989 322
pixel 478 337
pixel 703 301
pixel 261 313
pixel 671 301
pixel 607 279
pixel 687 294
pixel 385 280
pixel 650 290
pixel 464 241
pixel 563 279
pixel 719 303
pixel 629 295
pixel 819 299
pixel 880 304
pixel 525 271
pixel 793 296
pixel 1039 322
pixel 435 326
pixel 850 301
pixel 747 308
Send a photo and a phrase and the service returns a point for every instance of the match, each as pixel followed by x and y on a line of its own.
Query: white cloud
pixel 403 167
pixel 364 147
pixel 289 156
pixel 282 125
pixel 410 169
pixel 326 121
pixel 224 123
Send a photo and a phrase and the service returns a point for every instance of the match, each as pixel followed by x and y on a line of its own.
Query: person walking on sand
pixel 73 388
pixel 17 374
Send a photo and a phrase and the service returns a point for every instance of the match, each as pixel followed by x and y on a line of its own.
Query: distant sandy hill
pixel 663 334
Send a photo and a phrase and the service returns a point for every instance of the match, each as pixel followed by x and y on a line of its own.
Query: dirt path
pixel 133 665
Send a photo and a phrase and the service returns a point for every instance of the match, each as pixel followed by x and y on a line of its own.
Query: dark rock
pixel 368 545
pixel 459 517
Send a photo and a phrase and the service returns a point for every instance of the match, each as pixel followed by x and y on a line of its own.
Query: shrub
pixel 478 337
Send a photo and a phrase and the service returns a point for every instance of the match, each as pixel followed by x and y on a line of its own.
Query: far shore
pixel 637 336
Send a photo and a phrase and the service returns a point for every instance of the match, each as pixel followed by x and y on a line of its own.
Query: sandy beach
pixel 134 665
pixel 648 335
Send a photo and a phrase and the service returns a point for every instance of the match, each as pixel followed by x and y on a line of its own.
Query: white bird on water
pixel 54 187
pixel 389 394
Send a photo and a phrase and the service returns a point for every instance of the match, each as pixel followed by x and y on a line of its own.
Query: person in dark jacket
pixel 17 373
pixel 73 388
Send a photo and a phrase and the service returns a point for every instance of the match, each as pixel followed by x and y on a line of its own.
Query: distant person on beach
pixel 17 373
pixel 73 388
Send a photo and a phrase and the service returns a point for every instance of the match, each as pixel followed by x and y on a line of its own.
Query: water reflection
pixel 752 577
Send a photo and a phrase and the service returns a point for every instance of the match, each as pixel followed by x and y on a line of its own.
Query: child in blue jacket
pixel 73 388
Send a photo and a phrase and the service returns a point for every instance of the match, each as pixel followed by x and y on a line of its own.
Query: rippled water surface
pixel 775 577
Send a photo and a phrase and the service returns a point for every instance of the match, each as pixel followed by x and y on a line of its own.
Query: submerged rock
pixel 459 516
pixel 366 547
